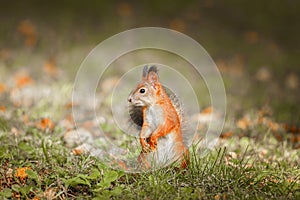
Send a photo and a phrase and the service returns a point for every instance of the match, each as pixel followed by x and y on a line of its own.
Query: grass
pixel 242 168
pixel 257 161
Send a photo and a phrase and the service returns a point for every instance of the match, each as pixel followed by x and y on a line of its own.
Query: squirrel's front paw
pixel 153 143
pixel 146 148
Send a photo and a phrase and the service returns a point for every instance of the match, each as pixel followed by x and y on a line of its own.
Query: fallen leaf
pixel 2 109
pixel 178 25
pixel 23 80
pixel 263 74
pixel 83 149
pixel 277 136
pixel 15 131
pixel 77 151
pixel 292 81
pixel 2 88
pixel 21 173
pixel 50 67
pixel 233 67
pixel 124 9
pixel 69 105
pixel 217 197
pixel 45 123
pixel 5 54
pixel 262 153
pixel 295 138
pixel 291 128
pixel 273 125
pixel 243 123
pixel 232 154
pixel 28 30
pixel 77 137
pixel 226 135
pixel 209 3
pixel 251 37
pixel 50 193
pixel 207 110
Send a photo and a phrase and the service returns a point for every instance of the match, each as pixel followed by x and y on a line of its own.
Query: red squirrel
pixel 155 109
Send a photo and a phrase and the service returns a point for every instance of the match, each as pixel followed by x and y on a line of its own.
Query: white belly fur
pixel 165 153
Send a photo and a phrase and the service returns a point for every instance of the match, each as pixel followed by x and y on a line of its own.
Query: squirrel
pixel 157 112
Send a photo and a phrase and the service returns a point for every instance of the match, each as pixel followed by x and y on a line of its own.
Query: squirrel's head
pixel 147 91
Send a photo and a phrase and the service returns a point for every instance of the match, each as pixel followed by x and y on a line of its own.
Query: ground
pixel 257 155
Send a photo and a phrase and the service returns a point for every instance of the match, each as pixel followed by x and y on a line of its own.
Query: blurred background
pixel 255 44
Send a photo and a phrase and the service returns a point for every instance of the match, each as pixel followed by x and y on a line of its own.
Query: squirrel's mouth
pixel 138 103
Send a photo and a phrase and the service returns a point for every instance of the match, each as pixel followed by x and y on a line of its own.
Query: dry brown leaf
pixel 291 128
pixel 277 136
pixel 124 9
pixel 292 81
pixel 233 67
pixel 21 173
pixel 15 131
pixel 50 67
pixel 77 151
pixel 23 80
pixel 2 108
pixel 251 37
pixel 50 193
pixel 28 30
pixel 69 105
pixel 178 25
pixel 5 54
pixel 217 197
pixel 2 88
pixel 243 123
pixel 273 125
pixel 25 119
pixel 226 135
pixel 263 153
pixel 263 74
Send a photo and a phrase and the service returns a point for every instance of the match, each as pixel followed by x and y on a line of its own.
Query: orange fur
pixel 171 122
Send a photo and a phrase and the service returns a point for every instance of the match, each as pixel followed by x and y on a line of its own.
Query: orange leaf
pixel 178 25
pixel 124 9
pixel 69 105
pixel 21 173
pixel 251 37
pixel 45 123
pixel 207 110
pixel 243 123
pixel 226 135
pixel 77 151
pixel 5 54
pixel 2 108
pixel 25 119
pixel 50 67
pixel 23 80
pixel 2 88
pixel 28 30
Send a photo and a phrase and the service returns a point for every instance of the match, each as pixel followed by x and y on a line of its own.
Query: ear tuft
pixel 152 76
pixel 153 68
pixel 145 71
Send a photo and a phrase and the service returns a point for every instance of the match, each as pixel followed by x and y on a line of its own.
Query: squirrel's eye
pixel 142 90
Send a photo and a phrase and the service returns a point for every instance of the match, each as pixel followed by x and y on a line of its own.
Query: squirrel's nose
pixel 129 99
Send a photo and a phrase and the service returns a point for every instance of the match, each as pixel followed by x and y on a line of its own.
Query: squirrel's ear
pixel 152 77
